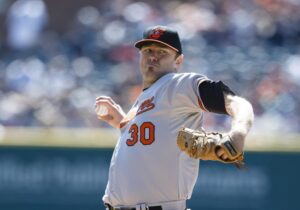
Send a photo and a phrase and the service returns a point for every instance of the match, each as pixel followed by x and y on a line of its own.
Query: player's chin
pixel 151 71
pixel 152 68
pixel 151 75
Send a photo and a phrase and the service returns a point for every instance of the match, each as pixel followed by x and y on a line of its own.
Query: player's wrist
pixel 238 139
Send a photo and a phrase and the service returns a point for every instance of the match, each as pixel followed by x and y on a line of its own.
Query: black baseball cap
pixel 163 35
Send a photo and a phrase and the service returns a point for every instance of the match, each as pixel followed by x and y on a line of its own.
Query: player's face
pixel 156 60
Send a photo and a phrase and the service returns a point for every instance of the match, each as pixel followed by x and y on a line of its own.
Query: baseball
pixel 101 110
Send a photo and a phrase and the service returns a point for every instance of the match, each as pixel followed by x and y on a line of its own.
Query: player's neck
pixel 149 82
pixel 146 85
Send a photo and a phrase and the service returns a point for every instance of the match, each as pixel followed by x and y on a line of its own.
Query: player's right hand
pixel 114 111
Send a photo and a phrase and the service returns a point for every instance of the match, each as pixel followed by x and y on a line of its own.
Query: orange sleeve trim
pixel 201 105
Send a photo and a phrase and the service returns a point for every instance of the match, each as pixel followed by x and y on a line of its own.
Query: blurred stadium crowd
pixel 50 78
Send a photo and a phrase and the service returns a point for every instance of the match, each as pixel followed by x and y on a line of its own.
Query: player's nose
pixel 153 57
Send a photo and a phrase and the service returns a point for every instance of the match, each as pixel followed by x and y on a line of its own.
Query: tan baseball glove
pixel 202 145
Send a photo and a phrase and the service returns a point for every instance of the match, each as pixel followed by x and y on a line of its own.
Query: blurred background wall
pixel 57 56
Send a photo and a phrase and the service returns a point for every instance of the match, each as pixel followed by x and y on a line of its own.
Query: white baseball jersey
pixel 147 166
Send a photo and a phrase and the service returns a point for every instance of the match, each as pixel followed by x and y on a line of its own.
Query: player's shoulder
pixel 180 82
pixel 183 84
pixel 188 76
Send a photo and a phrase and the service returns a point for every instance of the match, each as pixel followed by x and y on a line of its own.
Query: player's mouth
pixel 152 64
pixel 150 69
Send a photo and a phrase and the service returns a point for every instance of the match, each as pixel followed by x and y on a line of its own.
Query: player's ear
pixel 179 61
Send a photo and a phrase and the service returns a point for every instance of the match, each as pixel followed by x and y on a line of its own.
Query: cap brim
pixel 141 43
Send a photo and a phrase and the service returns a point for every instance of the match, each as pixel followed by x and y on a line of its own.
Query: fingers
pixel 114 114
pixel 105 98
pixel 109 104
pixel 105 117
pixel 106 101
pixel 221 153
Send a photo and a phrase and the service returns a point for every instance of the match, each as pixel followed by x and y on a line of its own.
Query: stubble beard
pixel 152 74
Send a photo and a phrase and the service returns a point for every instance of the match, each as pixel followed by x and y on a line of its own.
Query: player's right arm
pixel 115 112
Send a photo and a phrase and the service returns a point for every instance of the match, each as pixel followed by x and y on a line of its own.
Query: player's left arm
pixel 242 115
pixel 217 97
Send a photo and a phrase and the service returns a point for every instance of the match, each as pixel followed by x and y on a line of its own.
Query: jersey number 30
pixel 145 133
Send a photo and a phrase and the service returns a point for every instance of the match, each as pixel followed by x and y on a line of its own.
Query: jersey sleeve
pixel 212 96
pixel 184 92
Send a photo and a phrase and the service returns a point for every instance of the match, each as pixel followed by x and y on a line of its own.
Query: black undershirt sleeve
pixel 211 94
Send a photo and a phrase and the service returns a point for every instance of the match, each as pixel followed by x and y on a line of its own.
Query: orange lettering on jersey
pixel 146 106
pixel 134 129
pixel 145 133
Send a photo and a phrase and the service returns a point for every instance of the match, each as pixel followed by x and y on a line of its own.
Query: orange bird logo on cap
pixel 156 33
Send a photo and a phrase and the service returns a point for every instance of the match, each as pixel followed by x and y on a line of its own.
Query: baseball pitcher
pixel 155 162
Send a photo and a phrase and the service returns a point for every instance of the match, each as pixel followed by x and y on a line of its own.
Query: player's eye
pixel 162 52
pixel 146 51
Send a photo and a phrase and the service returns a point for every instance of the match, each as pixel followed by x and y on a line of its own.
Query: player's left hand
pixel 209 146
pixel 220 152
pixel 237 139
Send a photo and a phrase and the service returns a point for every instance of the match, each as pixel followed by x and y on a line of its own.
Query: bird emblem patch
pixel 156 33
